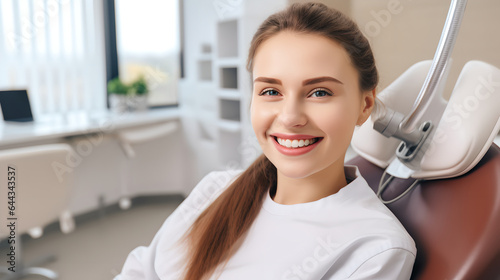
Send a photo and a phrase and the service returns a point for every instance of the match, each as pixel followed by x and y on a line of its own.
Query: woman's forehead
pixel 292 54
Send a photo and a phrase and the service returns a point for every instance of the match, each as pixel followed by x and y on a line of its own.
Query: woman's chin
pixel 294 171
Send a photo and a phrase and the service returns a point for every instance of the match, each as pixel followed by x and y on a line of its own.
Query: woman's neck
pixel 311 188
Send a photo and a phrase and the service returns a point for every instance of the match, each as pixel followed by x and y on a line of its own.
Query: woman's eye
pixel 320 93
pixel 270 92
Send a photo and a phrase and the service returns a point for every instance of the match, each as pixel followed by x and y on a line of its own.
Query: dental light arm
pixel 414 128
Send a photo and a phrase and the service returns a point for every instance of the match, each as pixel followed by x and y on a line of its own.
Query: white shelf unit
pixel 228 71
pixel 205 100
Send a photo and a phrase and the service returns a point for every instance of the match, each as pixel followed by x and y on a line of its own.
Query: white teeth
pixel 295 143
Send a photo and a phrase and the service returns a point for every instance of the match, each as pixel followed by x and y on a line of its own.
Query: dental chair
pixel 455 222
pixel 433 162
pixel 35 183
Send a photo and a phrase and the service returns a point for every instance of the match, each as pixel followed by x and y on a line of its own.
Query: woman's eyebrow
pixel 268 80
pixel 319 80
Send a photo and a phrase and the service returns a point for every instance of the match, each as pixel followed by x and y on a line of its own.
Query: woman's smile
pixel 294 144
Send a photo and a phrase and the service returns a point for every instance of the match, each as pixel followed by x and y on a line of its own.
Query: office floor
pixel 98 247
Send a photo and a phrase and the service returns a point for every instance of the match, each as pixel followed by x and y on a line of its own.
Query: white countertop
pixel 79 123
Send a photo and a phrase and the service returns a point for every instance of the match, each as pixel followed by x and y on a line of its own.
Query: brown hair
pixel 316 18
pixel 213 236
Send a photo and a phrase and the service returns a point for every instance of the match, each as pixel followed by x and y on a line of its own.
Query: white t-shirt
pixel 347 235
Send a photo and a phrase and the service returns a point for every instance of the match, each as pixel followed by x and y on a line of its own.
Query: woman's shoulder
pixel 373 216
pixel 215 182
pixel 208 189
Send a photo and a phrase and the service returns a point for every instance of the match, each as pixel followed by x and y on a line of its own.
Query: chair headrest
pixel 470 122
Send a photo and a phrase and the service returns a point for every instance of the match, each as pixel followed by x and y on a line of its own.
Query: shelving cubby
pixel 228 77
pixel 229 110
pixel 205 70
pixel 227 38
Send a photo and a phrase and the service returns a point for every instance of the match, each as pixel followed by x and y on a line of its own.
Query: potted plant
pixel 132 97
pixel 118 92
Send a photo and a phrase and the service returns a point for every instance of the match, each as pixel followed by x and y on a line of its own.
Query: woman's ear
pixel 367 104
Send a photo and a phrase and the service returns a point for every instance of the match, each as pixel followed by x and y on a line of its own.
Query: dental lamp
pixel 414 129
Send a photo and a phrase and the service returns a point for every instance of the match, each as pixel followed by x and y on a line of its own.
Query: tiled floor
pixel 99 245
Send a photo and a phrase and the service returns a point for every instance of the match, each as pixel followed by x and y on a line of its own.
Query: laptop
pixel 15 106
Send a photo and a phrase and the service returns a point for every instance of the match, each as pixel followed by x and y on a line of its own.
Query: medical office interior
pixel 97 172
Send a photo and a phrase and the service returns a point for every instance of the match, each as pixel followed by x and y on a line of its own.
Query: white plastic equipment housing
pixel 470 122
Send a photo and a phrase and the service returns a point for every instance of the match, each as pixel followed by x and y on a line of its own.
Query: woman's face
pixel 305 103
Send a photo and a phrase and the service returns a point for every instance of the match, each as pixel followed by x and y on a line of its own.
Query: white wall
pixel 409 31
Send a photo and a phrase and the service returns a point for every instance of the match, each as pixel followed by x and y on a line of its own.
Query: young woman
pixel 297 212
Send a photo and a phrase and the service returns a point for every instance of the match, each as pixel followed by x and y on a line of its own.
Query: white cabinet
pixel 229 71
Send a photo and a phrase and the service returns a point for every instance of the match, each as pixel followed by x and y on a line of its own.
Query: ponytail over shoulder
pixel 215 232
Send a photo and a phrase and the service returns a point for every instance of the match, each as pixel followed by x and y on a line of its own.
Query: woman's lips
pixel 295 145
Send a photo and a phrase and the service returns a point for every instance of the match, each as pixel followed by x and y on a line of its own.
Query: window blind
pixel 55 50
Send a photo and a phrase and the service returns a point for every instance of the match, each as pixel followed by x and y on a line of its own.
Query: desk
pixel 79 123
pixel 99 169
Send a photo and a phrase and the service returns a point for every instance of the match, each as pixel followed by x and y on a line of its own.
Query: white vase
pixel 138 103
pixel 118 103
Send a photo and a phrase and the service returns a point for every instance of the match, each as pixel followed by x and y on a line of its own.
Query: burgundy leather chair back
pixel 455 222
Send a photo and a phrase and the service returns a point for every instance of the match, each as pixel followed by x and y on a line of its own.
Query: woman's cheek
pixel 335 120
pixel 260 117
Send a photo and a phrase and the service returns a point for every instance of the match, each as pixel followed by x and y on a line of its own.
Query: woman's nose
pixel 292 113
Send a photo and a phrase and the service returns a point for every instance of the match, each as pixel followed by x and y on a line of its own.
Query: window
pixel 55 50
pixel 147 37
